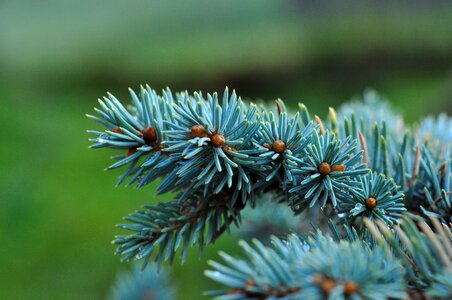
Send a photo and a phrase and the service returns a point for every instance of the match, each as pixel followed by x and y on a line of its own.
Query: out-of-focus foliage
pixel 411 258
pixel 147 284
pixel 270 218
pixel 424 251
pixel 316 268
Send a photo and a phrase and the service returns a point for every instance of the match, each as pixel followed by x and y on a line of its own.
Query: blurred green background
pixel 58 208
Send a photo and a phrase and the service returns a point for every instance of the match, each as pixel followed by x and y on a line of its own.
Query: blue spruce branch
pixel 220 155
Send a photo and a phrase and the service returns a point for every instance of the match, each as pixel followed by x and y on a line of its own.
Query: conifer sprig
pixel 138 132
pixel 279 138
pixel 141 284
pixel 209 138
pixel 219 156
pixel 265 274
pixel 162 229
pixel 376 197
pixel 424 251
pixel 313 268
pixel 325 171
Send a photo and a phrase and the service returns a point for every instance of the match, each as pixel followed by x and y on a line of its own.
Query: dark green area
pixel 58 208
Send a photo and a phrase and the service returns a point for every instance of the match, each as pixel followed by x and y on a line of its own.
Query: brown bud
pixel 266 145
pixel 149 135
pixel 327 285
pixel 250 282
pixel 338 168
pixel 317 279
pixel 131 151
pixel 371 202
pixel 198 131
pixel 279 146
pixel 234 291
pixel 218 140
pixel 229 148
pixel 350 288
pixel 324 168
pixel 116 130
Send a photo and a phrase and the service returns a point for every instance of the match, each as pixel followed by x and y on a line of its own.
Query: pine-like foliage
pixel 142 284
pixel 376 197
pixel 425 252
pixel 361 166
pixel 270 218
pixel 325 171
pixel 164 228
pixel 314 268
